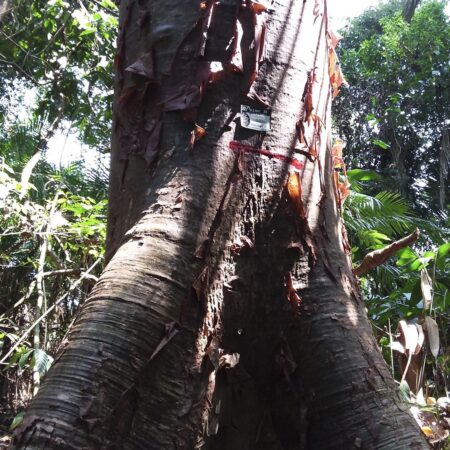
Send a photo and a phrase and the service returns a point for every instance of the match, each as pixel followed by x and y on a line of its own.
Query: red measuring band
pixel 236 146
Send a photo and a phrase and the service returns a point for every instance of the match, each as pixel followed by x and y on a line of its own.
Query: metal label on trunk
pixel 255 119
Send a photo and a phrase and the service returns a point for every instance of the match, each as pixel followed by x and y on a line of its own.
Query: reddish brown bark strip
pixel 378 257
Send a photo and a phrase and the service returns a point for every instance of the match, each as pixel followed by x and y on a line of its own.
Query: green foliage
pixel 395 110
pixel 394 290
pixel 78 222
pixel 72 226
pixel 63 51
pixel 56 70
pixel 393 117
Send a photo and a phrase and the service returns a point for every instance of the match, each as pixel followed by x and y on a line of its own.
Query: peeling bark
pixel 228 316
pixel 378 257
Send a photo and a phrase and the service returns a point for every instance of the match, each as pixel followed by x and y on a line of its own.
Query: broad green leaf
pixel 109 4
pixel 443 254
pixel 363 175
pixel 404 391
pixel 380 143
pixel 24 358
pixel 17 420
pixel 87 32
pixel 41 361
pixel 405 256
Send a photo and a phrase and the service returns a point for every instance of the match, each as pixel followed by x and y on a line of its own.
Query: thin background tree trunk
pixel 189 340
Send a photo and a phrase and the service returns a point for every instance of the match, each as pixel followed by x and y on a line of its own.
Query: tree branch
pixel 49 310
pixel 378 257
pixel 19 69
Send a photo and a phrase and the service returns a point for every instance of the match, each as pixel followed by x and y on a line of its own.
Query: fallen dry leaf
pixel 432 329
pixel 409 337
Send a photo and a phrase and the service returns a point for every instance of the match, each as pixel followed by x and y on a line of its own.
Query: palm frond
pixel 386 213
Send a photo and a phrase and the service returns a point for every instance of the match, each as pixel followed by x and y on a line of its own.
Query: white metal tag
pixel 255 119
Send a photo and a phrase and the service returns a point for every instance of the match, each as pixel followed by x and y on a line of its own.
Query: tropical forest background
pixel 56 92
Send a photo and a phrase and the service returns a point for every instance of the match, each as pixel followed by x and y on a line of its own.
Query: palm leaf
pixel 386 213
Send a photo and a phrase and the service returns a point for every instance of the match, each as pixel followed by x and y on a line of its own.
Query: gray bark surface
pixel 188 339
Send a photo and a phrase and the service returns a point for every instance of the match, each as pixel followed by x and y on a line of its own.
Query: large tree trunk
pixel 228 316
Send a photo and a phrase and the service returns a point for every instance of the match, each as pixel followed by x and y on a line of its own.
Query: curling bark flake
pixel 228 316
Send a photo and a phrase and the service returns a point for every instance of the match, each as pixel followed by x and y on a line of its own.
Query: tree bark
pixel 228 316
pixel 409 9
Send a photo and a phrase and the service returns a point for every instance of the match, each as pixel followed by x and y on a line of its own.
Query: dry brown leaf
pixel 433 335
pixel 427 290
pixel 409 336
pixel 398 347
pixel 420 340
